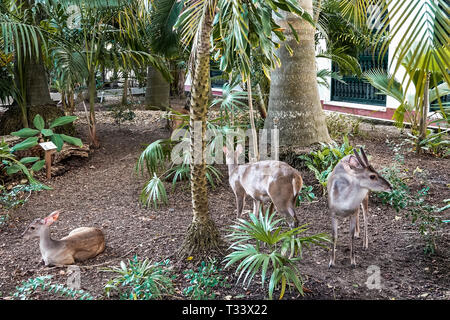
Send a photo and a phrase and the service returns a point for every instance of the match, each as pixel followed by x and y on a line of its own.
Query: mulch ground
pixel 103 192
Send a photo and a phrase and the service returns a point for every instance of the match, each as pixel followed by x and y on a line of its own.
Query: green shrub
pixel 204 281
pixel 154 160
pixel 45 284
pixel 141 280
pixel 18 195
pixel 306 195
pixel 322 162
pixel 121 113
pixel 261 246
pixel 414 204
pixel 436 143
pixel 47 134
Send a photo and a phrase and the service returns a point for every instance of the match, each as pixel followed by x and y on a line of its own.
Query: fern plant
pixel 45 284
pixel 140 280
pixel 322 162
pixel 260 246
pixel 204 281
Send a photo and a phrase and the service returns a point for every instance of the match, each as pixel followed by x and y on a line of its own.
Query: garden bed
pixel 103 192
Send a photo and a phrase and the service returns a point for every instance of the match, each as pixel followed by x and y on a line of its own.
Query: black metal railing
pixel 356 90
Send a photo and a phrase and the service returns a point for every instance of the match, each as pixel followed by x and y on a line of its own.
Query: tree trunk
pixel 294 102
pixel 261 105
pixel 424 113
pixel 92 96
pixel 202 235
pixel 157 93
pixel 125 90
pixel 37 91
pixel 255 156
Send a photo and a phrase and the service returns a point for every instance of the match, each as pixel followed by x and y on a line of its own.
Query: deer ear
pixel 353 163
pixel 52 217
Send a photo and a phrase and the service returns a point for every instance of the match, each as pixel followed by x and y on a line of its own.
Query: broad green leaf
pixel 38 165
pixel 29 159
pixel 38 122
pixel 47 132
pixel 25 133
pixel 26 144
pixel 72 140
pixel 58 141
pixel 62 121
pixel 13 169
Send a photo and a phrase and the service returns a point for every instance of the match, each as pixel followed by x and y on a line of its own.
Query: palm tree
pixel 163 40
pixel 294 102
pixel 22 37
pixel 202 235
pixel 421 29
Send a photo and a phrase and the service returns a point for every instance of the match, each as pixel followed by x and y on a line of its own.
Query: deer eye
pixel 372 177
pixel 32 228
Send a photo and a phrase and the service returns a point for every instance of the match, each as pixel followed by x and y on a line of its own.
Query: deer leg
pixel 271 208
pixel 352 238
pixel 334 229
pixel 357 230
pixel 365 211
pixel 256 206
pixel 294 223
pixel 239 205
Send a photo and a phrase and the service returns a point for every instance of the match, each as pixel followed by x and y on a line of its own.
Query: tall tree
pixel 164 42
pixel 294 102
pixel 202 235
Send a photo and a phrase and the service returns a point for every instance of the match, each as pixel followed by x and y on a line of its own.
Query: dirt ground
pixel 103 192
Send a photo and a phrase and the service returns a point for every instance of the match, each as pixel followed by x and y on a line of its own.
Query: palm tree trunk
pixel 294 102
pixel 36 81
pixel 157 93
pixel 252 122
pixel 202 235
pixel 424 113
pixel 92 125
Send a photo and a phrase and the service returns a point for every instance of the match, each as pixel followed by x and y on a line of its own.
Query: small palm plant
pixel 140 280
pixel 261 246
pixel 155 159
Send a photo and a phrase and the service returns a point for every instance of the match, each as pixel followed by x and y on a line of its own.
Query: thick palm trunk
pixel 37 92
pixel 202 235
pixel 294 102
pixel 157 93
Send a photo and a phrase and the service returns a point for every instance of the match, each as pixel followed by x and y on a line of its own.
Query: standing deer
pixel 348 189
pixel 263 181
pixel 79 245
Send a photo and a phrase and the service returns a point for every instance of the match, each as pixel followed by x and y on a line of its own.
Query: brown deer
pixel 81 243
pixel 177 118
pixel 348 189
pixel 263 181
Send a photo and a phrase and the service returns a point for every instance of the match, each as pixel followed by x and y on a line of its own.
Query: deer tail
pixel 297 184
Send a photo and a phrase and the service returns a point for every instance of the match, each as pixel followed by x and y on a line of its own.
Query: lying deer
pixel 81 243
pixel 263 181
pixel 348 189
